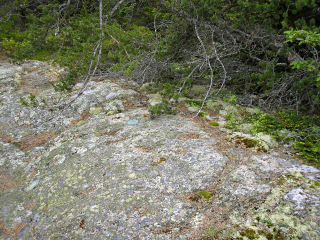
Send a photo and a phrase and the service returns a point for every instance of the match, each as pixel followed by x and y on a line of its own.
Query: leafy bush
pixel 310 41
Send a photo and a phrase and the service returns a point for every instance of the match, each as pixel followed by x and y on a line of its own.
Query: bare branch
pixel 190 75
pixel 207 59
pixel 115 8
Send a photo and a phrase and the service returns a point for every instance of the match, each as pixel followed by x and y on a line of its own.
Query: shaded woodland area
pixel 263 53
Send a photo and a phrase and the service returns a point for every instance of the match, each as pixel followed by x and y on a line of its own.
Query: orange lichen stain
pixel 14 231
pixel 7 183
pixel 32 174
pixel 30 206
pixel 84 116
pixel 28 142
pixel 76 137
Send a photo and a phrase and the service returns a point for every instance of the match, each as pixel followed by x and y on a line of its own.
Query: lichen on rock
pixel 101 170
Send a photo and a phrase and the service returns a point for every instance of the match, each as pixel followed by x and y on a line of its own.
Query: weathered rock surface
pixel 102 169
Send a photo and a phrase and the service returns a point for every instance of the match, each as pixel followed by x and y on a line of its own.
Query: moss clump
pixel 215 124
pixel 294 176
pixel 31 101
pixel 249 233
pixel 314 184
pixel 24 102
pixel 207 195
pixel 281 181
pixel 158 161
pixel 202 114
pixel 211 232
pixel 95 110
pixel 248 142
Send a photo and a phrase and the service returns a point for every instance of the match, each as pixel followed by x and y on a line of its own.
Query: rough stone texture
pixel 102 169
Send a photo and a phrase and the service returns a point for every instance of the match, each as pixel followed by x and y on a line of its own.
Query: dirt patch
pixel 14 231
pixel 37 77
pixel 7 183
pixel 181 151
pixel 173 229
pixel 144 149
pixel 3 57
pixel 84 116
pixel 138 102
pixel 110 133
pixel 187 136
pixel 114 141
pixel 33 85
pixel 3 125
pixel 5 137
pixel 36 140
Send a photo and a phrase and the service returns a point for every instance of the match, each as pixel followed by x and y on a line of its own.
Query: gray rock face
pixel 101 170
pixel 101 94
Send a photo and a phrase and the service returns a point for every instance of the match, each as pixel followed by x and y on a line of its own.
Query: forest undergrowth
pixel 252 53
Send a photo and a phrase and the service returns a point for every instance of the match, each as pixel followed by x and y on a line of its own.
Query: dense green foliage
pixel 301 131
pixel 265 52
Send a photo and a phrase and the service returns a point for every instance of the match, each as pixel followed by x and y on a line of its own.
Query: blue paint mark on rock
pixel 133 122
pixel 111 95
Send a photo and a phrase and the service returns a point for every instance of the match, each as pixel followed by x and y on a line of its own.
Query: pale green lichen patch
pixel 155 99
pixel 276 218
pixel 95 110
pixel 80 123
pixel 132 175
pixel 214 105
pixel 293 178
